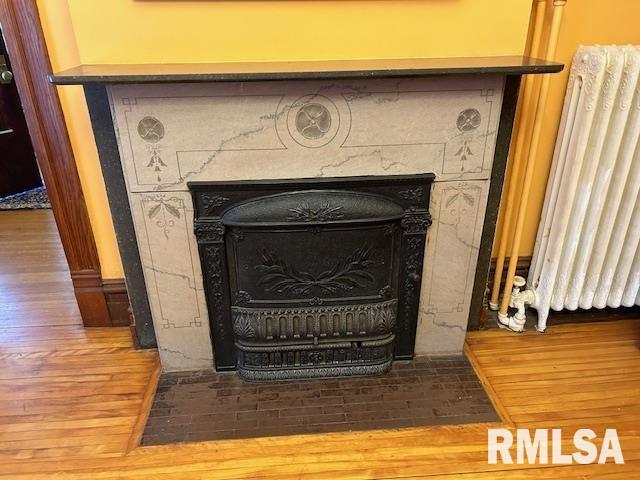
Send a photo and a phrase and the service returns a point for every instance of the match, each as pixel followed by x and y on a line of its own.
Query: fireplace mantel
pixel 301 70
pixel 161 127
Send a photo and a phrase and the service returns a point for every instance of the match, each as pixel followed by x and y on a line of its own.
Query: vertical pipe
pixel 558 7
pixel 524 122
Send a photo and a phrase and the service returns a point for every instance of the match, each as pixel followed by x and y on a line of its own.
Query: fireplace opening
pixel 315 277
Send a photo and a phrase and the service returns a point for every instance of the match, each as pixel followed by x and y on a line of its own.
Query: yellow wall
pixel 146 31
pixel 63 52
pixel 586 22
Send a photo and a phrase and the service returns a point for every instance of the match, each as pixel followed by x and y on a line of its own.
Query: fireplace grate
pixel 312 278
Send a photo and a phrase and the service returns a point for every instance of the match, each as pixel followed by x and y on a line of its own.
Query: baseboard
pixel 102 302
pixel 115 292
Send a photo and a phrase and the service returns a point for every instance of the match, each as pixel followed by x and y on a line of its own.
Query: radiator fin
pixel 587 247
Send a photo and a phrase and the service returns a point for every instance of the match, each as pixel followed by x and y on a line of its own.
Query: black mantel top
pixel 322 69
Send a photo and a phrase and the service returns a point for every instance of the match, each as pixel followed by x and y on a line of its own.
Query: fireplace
pixel 193 157
pixel 312 277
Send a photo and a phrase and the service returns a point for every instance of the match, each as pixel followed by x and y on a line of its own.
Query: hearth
pixel 312 277
pixel 428 391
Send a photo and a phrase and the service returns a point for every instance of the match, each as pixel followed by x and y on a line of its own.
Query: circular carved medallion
pixel 150 129
pixel 468 120
pixel 313 121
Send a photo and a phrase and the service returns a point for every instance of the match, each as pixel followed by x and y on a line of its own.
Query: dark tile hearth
pixel 204 405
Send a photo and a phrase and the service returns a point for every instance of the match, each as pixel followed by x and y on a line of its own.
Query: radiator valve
pixel 519 299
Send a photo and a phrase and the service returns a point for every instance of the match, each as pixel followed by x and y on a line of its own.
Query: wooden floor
pixel 71 399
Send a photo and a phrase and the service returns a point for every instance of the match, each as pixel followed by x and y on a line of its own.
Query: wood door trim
pixel 31 67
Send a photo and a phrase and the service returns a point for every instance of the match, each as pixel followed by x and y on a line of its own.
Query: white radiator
pixel 587 249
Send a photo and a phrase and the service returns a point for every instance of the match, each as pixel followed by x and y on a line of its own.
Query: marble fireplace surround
pixel 155 135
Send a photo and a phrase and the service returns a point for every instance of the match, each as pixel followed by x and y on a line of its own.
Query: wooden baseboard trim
pixel 102 302
pixel 87 285
pixel 115 293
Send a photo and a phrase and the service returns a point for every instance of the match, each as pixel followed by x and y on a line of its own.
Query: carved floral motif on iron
pixel 416 222
pixel 215 297
pixel 209 232
pixel 346 274
pixel 412 194
pixel 210 202
pixel 321 213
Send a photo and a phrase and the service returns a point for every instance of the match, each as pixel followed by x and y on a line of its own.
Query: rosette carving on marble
pixel 313 121
pixel 151 130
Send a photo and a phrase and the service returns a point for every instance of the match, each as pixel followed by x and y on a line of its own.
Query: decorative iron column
pixel 414 234
pixel 210 235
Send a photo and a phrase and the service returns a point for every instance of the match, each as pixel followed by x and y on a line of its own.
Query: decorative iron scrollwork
pixel 322 213
pixel 332 321
pixel 316 358
pixel 390 229
pixel 242 297
pixel 332 359
pixel 214 281
pixel 209 232
pixel 385 292
pixel 257 375
pixel 412 274
pixel 416 222
pixel 243 327
pixel 347 274
pixel 412 194
pixel 315 301
pixel 238 234
pixel 211 202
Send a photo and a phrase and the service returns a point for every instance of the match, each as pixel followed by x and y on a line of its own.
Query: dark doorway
pixel 18 168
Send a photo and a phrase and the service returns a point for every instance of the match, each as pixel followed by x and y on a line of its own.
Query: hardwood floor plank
pixel 73 400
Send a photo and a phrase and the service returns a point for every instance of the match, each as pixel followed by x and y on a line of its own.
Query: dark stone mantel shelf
pixel 300 70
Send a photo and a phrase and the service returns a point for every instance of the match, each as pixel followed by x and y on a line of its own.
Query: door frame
pixel 31 67
pixel 18 163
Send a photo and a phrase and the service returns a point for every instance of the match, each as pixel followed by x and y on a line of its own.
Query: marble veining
pixel 174 133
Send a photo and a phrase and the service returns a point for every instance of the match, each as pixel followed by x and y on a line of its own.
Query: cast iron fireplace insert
pixel 312 277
